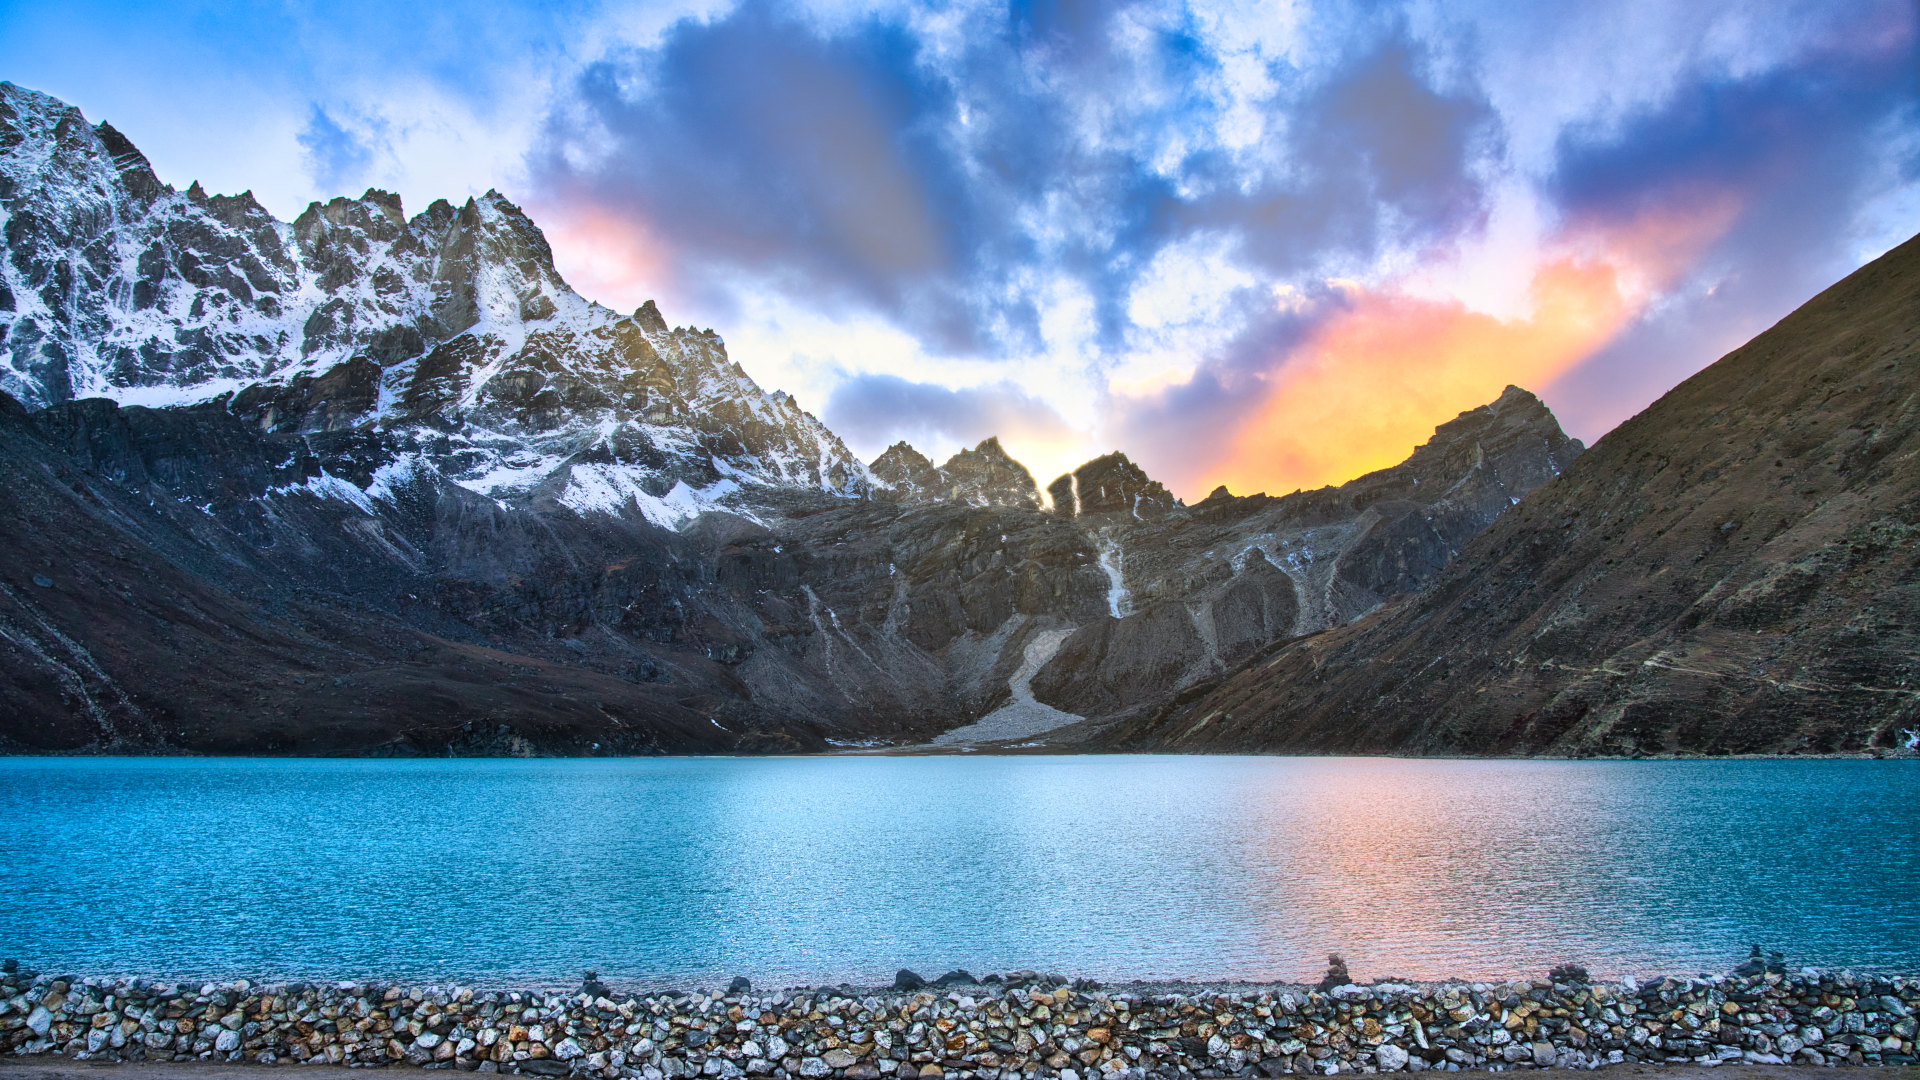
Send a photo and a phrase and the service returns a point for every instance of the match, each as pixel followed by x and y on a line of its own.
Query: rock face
pixel 982 476
pixel 986 476
pixel 1734 570
pixel 1198 589
pixel 1112 485
pixel 903 474
pixel 999 1027
pixel 370 483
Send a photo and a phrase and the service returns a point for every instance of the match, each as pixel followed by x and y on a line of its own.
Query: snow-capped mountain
pixel 450 332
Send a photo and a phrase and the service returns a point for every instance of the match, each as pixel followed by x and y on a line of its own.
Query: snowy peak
pixel 451 332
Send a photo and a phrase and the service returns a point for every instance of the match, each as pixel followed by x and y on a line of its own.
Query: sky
pixel 1267 245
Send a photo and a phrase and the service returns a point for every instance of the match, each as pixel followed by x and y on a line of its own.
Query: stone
pixel 776 1047
pixel 838 1058
pixel 40 1021
pixel 227 1041
pixel 813 1068
pixel 1389 1057
pixel 907 980
pixel 1544 1054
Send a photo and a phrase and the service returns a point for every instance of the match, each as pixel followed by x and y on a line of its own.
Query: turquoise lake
pixel 685 872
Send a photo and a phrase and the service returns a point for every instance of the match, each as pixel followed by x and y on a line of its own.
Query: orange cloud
pixel 606 256
pixel 1372 383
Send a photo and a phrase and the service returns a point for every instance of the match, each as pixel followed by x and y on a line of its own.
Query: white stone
pixel 227 1041
pixel 427 1041
pixel 39 1021
pixel 776 1048
pixel 567 1050
pixel 1390 1057
pixel 812 1068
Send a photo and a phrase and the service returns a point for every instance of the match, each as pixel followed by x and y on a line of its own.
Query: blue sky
pixel 1266 244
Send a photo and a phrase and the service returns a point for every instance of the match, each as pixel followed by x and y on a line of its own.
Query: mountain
pixel 371 483
pixel 982 476
pixel 449 332
pixel 1195 590
pixel 1734 570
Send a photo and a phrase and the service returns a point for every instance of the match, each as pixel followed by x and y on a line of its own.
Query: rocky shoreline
pixel 1025 1025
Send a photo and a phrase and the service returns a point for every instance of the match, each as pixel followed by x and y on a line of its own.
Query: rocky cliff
pixel 1194 590
pixel 1734 570
pixel 372 483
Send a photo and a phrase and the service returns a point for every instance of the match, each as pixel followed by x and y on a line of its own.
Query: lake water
pixel 686 872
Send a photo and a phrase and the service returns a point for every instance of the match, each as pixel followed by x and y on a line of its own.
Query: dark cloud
pixel 1378 157
pixel 755 144
pixel 1797 150
pixel 875 411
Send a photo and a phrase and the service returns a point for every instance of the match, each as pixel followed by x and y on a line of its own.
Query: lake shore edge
pixel 1027 1026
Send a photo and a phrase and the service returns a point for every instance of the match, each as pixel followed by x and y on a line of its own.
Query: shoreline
pixel 958 750
pixel 1028 1026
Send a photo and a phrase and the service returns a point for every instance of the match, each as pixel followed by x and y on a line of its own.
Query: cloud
pixel 755 147
pixel 337 159
pixel 871 412
pixel 932 170
pixel 1801 148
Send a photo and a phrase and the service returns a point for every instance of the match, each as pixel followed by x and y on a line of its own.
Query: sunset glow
pixel 1374 380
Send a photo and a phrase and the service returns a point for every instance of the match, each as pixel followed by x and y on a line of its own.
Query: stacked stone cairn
pixel 1023 1026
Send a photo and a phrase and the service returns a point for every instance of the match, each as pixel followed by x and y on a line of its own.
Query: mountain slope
pixel 1736 569
pixel 1197 589
pixel 370 483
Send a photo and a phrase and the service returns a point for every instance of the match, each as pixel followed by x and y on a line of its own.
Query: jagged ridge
pixel 403 490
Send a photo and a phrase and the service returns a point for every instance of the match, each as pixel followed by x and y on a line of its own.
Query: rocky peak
pixel 136 173
pixel 987 476
pixel 1112 484
pixel 648 317
pixel 903 474
pixel 1483 459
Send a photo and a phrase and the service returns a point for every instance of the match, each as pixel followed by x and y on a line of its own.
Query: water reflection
pixel 809 870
